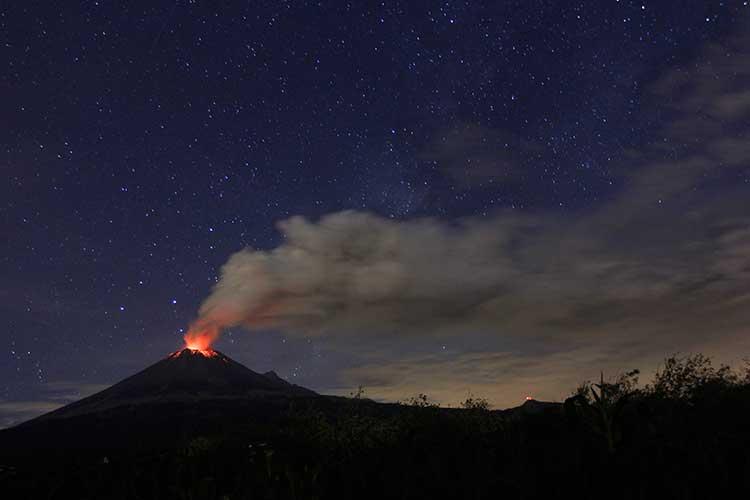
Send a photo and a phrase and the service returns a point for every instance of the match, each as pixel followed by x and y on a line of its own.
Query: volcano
pixel 185 376
pixel 190 391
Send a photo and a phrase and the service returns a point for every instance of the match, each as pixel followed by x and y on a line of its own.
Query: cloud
pixel 732 261
pixel 506 377
pixel 354 273
pixel 53 395
pixel 475 156
pixel 14 412
pixel 663 266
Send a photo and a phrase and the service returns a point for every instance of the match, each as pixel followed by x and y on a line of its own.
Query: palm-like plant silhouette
pixel 600 406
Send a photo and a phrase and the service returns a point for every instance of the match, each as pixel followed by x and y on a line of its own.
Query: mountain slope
pixel 185 376
pixel 189 393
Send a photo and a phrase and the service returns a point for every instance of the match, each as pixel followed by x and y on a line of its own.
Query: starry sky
pixel 523 193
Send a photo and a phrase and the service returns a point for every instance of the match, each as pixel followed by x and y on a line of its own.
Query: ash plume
pixel 355 273
pixel 352 271
pixel 659 244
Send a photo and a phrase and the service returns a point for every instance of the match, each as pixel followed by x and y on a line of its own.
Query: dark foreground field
pixel 686 435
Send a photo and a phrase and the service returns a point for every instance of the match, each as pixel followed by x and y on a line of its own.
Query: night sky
pixel 447 198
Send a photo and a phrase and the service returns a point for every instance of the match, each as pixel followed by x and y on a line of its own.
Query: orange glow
pixel 209 353
pixel 199 342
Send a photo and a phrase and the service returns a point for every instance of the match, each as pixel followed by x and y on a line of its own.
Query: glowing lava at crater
pixel 197 343
pixel 208 353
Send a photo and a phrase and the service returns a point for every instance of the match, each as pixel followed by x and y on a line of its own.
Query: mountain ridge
pixel 183 376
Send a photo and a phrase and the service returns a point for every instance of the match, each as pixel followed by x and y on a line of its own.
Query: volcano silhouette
pixel 185 376
pixel 189 392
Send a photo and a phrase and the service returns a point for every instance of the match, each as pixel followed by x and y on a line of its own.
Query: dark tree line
pixel 684 435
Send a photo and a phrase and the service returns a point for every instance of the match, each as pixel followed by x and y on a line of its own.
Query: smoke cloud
pixel 662 265
pixel 354 272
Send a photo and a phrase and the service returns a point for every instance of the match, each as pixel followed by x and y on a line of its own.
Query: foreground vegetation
pixel 684 435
